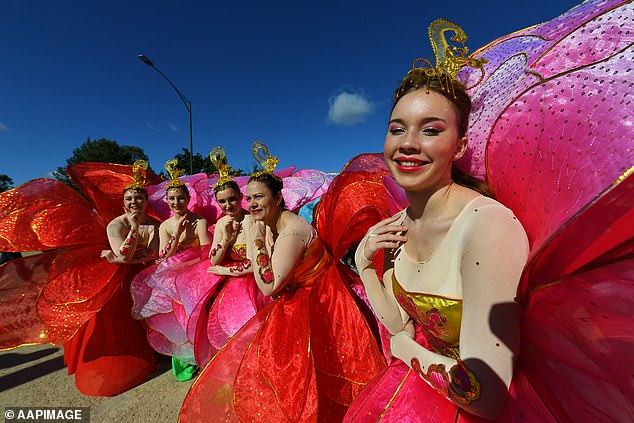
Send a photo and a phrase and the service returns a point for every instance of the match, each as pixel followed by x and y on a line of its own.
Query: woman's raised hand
pixel 384 235
pixel 134 219
pixel 183 224
pixel 232 229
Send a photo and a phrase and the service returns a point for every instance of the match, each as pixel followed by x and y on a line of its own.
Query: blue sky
pixel 312 80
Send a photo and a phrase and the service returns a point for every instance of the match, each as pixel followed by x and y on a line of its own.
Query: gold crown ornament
pixel 139 175
pixel 218 158
pixel 450 58
pixel 263 157
pixel 174 173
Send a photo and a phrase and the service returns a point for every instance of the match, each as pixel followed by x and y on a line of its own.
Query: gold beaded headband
pixel 218 158
pixel 139 175
pixel 261 155
pixel 174 173
pixel 449 59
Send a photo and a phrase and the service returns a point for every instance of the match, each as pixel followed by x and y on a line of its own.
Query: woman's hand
pixel 232 229
pixel 384 235
pixel 108 255
pixel 134 218
pixel 397 342
pixel 183 225
pixel 112 258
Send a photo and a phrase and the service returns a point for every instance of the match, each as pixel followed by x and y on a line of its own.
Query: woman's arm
pixel 239 269
pixel 122 246
pixel 272 271
pixel 168 243
pixel 379 294
pixel 202 232
pixel 380 236
pixel 220 243
pixel 494 253
pixel 133 257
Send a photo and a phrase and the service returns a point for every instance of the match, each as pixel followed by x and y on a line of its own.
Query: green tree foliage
pixel 101 150
pixel 200 163
pixel 6 183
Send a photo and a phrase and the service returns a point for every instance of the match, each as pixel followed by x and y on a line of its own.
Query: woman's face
pixel 178 200
pixel 134 201
pixel 423 141
pixel 263 205
pixel 230 201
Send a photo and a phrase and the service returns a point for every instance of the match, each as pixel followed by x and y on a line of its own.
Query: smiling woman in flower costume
pixel 467 345
pixel 132 236
pixel 183 230
pixel 154 290
pixel 222 312
pixel 453 259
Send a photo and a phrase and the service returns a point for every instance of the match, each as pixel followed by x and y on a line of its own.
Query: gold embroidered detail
pixel 460 384
pixel 264 262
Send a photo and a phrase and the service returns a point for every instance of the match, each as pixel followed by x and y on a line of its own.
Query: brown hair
pixel 182 188
pixel 455 92
pixel 230 184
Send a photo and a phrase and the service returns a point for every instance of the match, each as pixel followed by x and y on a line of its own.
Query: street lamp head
pixel 145 60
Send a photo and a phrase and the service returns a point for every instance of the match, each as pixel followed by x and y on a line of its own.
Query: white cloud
pixel 3 127
pixel 150 125
pixel 173 127
pixel 349 109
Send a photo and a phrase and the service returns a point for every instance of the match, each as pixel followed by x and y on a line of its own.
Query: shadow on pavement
pixel 31 373
pixel 13 359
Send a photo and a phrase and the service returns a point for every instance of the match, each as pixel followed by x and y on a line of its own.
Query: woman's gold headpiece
pixel 449 58
pixel 263 157
pixel 218 158
pixel 139 174
pixel 174 173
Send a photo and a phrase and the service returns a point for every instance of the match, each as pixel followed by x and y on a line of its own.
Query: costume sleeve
pixel 167 242
pixel 123 246
pixel 219 245
pixel 272 274
pixel 379 294
pixel 494 255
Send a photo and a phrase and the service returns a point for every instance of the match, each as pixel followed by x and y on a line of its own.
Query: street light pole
pixel 186 102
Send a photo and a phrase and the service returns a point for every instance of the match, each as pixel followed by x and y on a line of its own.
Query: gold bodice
pixel 438 317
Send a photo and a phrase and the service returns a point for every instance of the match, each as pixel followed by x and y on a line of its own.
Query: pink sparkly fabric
pixel 552 130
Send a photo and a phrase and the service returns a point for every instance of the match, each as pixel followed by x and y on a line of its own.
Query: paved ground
pixel 35 376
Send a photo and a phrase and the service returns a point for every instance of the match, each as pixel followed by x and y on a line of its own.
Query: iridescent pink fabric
pixel 165 296
pixel 220 315
pixel 552 130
